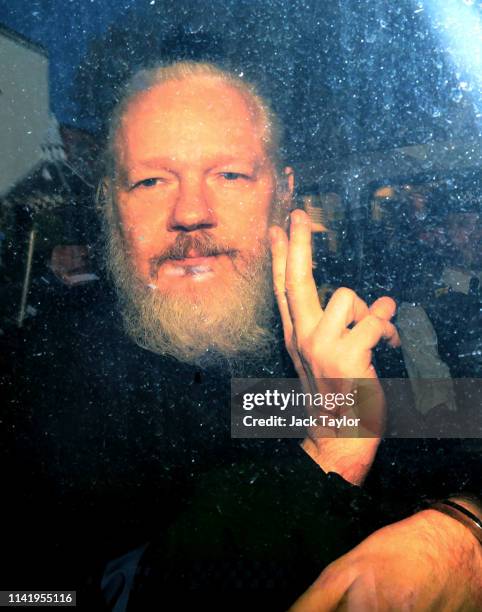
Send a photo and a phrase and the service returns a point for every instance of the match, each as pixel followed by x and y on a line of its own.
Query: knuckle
pixel 300 347
pixel 375 322
pixel 332 571
pixel 389 329
pixel 290 286
pixel 279 290
pixel 345 294
pixel 313 348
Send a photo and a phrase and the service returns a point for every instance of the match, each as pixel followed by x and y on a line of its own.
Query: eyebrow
pixel 168 162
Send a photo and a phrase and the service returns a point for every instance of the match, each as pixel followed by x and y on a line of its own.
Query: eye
pixel 234 176
pixel 148 182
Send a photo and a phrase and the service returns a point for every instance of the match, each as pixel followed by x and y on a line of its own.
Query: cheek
pixel 256 232
pixel 142 233
pixel 248 219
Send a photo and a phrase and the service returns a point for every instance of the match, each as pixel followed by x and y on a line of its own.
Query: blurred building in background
pixel 46 185
pixel 24 106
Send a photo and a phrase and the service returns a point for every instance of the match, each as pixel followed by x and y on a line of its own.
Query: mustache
pixel 202 243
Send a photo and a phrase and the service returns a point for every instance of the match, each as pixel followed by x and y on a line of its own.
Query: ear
pixel 289 179
pixel 285 195
pixel 104 199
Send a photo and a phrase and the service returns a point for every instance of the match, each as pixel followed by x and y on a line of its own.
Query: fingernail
pixel 273 233
pixel 295 217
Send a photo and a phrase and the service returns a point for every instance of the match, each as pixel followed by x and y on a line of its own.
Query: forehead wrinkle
pixel 190 115
pixel 170 163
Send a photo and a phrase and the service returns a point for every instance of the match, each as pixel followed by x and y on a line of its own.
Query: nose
pixel 192 209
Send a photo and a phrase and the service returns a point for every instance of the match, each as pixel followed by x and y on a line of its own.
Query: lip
pixel 192 268
pixel 193 261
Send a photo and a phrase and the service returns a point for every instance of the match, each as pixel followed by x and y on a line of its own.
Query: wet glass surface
pixel 381 105
pixel 381 108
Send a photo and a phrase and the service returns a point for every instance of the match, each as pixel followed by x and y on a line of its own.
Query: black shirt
pixel 106 446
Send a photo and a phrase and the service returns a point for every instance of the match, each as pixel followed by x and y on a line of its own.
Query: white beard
pixel 224 327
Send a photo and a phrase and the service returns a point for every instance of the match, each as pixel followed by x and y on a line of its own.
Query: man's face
pixel 188 236
pixel 195 186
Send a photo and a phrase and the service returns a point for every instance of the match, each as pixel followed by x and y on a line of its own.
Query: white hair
pixel 147 78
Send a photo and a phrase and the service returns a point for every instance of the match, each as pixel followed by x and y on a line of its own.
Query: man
pixel 193 190
pixel 195 187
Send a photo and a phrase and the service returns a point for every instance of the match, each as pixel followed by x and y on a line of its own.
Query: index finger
pixel 279 255
pixel 302 295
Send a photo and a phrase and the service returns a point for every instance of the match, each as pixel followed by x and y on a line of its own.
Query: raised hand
pixel 335 343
